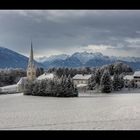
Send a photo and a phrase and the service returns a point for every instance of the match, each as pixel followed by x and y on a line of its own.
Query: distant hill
pixel 12 59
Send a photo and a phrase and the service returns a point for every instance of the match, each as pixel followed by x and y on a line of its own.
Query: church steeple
pixel 31 58
pixel 31 71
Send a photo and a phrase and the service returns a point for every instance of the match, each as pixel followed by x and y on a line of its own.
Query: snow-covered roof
pixel 46 76
pixel 137 73
pixel 128 77
pixel 81 85
pixel 82 77
pixel 22 80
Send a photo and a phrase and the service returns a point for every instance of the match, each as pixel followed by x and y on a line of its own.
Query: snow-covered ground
pixel 9 89
pixel 109 111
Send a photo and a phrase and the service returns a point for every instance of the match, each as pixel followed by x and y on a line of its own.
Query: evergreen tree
pixel 92 82
pixel 62 87
pixel 121 81
pixel 106 83
pixel 35 88
pixel 39 71
pixel 98 78
pixel 28 88
pixel 116 82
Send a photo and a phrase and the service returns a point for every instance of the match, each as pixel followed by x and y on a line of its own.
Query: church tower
pixel 31 70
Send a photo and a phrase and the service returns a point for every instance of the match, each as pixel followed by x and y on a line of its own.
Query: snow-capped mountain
pixel 81 59
pixel 85 56
pixel 11 59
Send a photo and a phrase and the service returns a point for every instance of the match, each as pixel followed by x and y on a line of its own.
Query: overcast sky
pixel 111 32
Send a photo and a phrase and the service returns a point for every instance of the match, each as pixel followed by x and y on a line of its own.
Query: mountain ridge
pixel 12 59
pixel 90 60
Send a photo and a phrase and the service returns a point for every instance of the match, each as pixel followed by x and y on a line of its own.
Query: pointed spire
pixel 31 58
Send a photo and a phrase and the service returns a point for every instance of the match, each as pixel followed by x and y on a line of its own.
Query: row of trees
pixel 57 87
pixel 104 82
pixel 117 67
pixel 71 71
pixel 11 76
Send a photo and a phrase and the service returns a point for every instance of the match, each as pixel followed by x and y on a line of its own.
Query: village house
pixel 127 80
pixel 81 81
pixel 136 78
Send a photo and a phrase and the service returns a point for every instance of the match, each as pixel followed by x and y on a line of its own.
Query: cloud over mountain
pixel 67 31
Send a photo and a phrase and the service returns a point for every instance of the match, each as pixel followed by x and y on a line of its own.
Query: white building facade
pixel 81 80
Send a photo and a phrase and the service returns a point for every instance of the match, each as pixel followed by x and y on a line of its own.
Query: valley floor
pixel 107 111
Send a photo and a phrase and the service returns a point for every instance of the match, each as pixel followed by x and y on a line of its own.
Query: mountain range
pixel 86 59
pixel 12 59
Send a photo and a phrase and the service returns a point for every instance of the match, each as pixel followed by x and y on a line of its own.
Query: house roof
pixel 137 73
pixel 46 76
pixel 22 80
pixel 128 77
pixel 82 77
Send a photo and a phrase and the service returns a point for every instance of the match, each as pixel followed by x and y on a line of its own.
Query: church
pixel 31 76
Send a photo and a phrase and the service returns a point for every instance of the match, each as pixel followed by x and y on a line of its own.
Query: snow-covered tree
pixel 39 71
pixel 92 82
pixel 98 76
pixel 116 82
pixel 106 82
pixel 28 88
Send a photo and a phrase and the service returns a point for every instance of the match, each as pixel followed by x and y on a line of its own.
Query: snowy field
pixel 105 112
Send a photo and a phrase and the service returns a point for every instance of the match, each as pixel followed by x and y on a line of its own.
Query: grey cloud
pixel 56 30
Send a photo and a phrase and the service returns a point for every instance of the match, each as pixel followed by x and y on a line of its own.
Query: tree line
pixel 102 81
pixel 10 76
pixel 118 67
pixel 56 87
